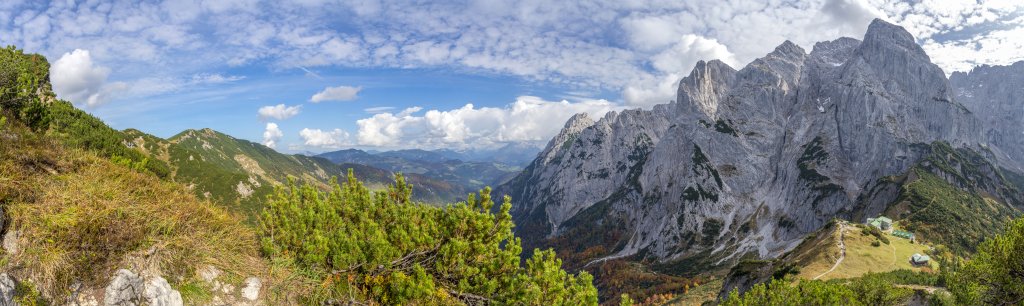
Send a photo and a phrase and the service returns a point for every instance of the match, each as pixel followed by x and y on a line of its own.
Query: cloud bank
pixel 528 119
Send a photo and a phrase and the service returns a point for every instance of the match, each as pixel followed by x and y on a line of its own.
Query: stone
pixel 125 289
pixel 11 241
pixel 251 291
pixel 209 273
pixel 159 293
pixel 7 290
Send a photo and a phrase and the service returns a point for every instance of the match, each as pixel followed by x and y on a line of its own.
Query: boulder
pixel 125 289
pixel 159 293
pixel 251 291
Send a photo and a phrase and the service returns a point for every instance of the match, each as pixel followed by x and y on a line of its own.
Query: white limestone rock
pixel 251 291
pixel 125 289
pixel 749 160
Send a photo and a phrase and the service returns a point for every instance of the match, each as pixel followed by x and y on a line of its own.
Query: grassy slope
pixel 78 203
pixel 80 216
pixel 861 256
pixel 944 214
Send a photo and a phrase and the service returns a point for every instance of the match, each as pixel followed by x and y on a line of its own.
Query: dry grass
pixel 80 217
pixel 862 257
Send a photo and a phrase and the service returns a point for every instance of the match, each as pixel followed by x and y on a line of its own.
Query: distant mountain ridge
pixel 240 172
pixel 458 169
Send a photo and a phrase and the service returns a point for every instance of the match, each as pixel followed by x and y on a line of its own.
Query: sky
pixel 322 75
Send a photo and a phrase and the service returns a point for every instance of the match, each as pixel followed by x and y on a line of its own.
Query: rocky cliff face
pixel 995 94
pixel 748 161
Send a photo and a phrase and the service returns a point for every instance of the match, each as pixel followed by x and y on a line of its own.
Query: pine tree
pixel 383 248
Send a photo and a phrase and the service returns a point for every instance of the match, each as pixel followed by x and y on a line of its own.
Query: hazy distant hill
pixel 451 167
pixel 240 172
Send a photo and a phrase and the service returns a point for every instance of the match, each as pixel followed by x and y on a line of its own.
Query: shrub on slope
pixel 383 248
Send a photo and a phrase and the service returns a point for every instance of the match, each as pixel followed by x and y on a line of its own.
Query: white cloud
pixel 378 109
pixel 271 135
pixel 76 78
pixel 279 112
pixel 318 138
pixel 214 78
pixel 337 93
pixel 528 119
pixel 636 48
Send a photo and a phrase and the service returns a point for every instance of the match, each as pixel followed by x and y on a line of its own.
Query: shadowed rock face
pixel 749 161
pixel 996 95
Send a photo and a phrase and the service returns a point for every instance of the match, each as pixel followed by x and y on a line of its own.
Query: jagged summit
pixel 748 161
pixel 883 32
pixel 788 49
pixel 701 91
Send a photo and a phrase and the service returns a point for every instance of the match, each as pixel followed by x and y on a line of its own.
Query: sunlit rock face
pixel 749 161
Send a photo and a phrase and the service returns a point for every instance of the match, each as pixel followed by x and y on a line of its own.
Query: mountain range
pixel 466 172
pixel 747 176
pixel 746 163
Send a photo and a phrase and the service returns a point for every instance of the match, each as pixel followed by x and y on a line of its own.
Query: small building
pixel 881 223
pixel 919 260
pixel 903 234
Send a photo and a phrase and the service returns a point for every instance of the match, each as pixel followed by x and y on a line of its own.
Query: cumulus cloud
pixel 638 49
pixel 528 119
pixel 279 112
pixel 271 135
pixel 76 78
pixel 318 138
pixel 337 93
pixel 606 45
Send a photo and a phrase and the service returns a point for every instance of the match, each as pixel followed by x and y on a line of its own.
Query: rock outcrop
pixel 125 289
pixel 7 290
pixel 747 161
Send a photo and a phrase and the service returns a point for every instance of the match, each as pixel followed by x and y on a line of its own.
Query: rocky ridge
pixel 747 162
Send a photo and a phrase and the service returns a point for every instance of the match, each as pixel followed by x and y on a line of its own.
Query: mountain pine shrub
pixel 382 248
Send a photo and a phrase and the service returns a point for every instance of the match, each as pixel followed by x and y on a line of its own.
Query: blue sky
pixel 437 74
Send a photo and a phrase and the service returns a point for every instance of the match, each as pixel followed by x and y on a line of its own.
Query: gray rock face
pixel 7 287
pixel 125 289
pixel 159 293
pixel 996 95
pixel 10 243
pixel 747 161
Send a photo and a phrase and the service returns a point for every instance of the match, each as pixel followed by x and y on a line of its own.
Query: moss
pixel 26 294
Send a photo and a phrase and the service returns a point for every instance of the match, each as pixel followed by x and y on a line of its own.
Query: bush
pixel 993 276
pixel 871 289
pixel 876 243
pixel 874 231
pixel 384 249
